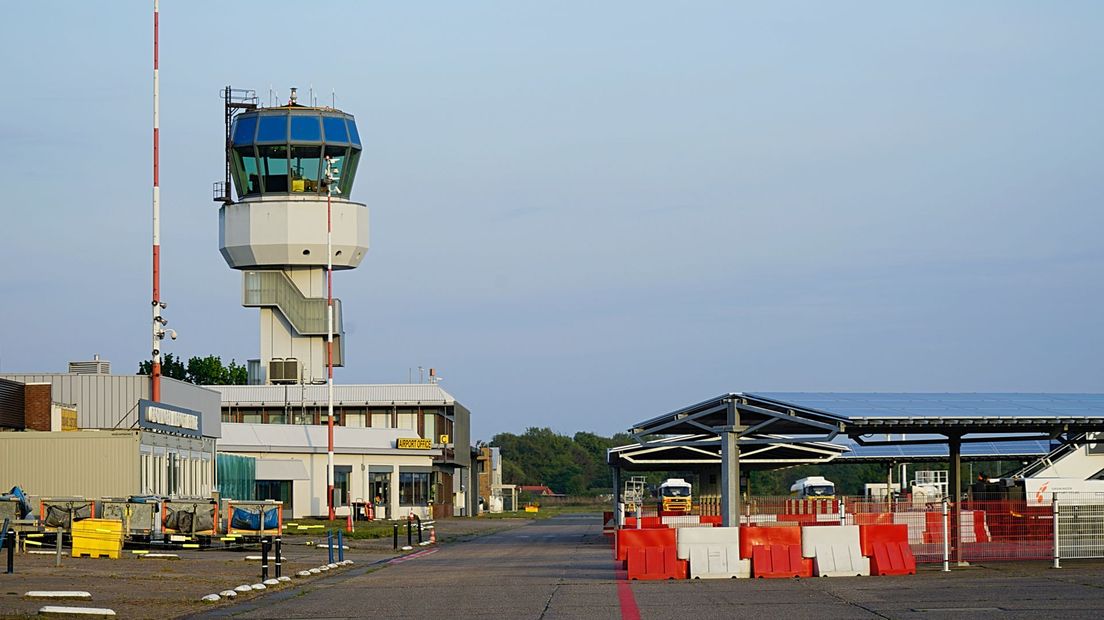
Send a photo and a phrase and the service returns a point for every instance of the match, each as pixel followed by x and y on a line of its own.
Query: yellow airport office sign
pixel 413 443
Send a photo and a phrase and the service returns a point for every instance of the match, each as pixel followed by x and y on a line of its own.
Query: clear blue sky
pixel 586 214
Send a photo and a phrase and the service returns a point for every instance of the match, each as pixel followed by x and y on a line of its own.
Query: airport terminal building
pixel 406 444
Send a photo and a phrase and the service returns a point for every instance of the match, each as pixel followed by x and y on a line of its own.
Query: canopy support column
pixel 730 467
pixel 730 479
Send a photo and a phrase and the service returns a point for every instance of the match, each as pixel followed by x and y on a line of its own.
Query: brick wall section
pixel 37 402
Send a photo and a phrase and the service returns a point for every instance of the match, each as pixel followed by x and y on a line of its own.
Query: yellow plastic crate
pixel 98 538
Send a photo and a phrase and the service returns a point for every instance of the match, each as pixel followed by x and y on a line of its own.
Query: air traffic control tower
pixel 276 231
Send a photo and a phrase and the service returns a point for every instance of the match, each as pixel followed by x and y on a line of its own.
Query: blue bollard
pixel 340 546
pixel 329 543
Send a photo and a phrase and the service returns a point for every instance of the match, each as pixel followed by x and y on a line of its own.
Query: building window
pixel 431 427
pixel 279 490
pixel 414 489
pixel 408 421
pixel 342 473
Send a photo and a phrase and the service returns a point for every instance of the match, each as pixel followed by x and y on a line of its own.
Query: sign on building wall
pixel 69 419
pixel 413 443
pixel 169 419
pixel 444 439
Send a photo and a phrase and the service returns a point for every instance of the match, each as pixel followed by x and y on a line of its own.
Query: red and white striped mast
pixel 331 180
pixel 158 332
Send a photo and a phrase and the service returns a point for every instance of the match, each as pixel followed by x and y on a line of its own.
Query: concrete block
pixel 80 612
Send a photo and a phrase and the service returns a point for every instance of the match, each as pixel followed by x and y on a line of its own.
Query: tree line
pixel 573 465
pixel 208 370
pixel 576 465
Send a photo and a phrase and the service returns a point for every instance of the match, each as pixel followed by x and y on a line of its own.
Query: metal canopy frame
pixel 737 419
pixel 697 450
pixel 712 417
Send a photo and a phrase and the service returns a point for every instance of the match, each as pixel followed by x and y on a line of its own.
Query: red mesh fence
pixel 988 530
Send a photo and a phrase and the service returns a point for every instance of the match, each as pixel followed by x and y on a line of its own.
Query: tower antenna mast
pixel 158 332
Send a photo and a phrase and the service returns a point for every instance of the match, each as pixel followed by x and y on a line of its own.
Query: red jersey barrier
pixel 642 538
pixel 755 536
pixel 889 534
pixel 779 561
pixel 650 563
pixel 892 558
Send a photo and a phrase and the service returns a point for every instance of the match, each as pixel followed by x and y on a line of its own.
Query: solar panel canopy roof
pixel 922 405
pixel 972 451
pixel 954 412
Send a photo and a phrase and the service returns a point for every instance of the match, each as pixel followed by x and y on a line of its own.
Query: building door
pixel 381 491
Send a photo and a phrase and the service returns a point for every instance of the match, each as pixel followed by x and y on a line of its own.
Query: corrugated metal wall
pixel 103 401
pixel 89 464
pixel 11 404
pixel 111 401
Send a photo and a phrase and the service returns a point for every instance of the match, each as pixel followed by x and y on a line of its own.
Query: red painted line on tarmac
pixel 629 610
pixel 413 556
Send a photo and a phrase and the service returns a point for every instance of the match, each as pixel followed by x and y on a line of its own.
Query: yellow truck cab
pixel 675 495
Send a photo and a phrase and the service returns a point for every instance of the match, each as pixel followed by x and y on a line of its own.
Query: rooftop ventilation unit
pixel 283 370
pixel 94 367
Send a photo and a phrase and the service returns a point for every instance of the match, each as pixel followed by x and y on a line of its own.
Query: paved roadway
pixel 563 568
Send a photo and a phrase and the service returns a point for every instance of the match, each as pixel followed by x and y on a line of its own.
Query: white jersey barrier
pixel 714 552
pixel 835 550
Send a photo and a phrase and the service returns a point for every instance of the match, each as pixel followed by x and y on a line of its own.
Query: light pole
pixel 331 179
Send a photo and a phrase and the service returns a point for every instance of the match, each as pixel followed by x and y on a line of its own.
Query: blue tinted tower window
pixel 283 150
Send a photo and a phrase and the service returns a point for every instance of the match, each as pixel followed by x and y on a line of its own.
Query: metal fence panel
pixel 1080 525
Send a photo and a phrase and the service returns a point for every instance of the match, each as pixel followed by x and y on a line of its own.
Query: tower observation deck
pixel 275 233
